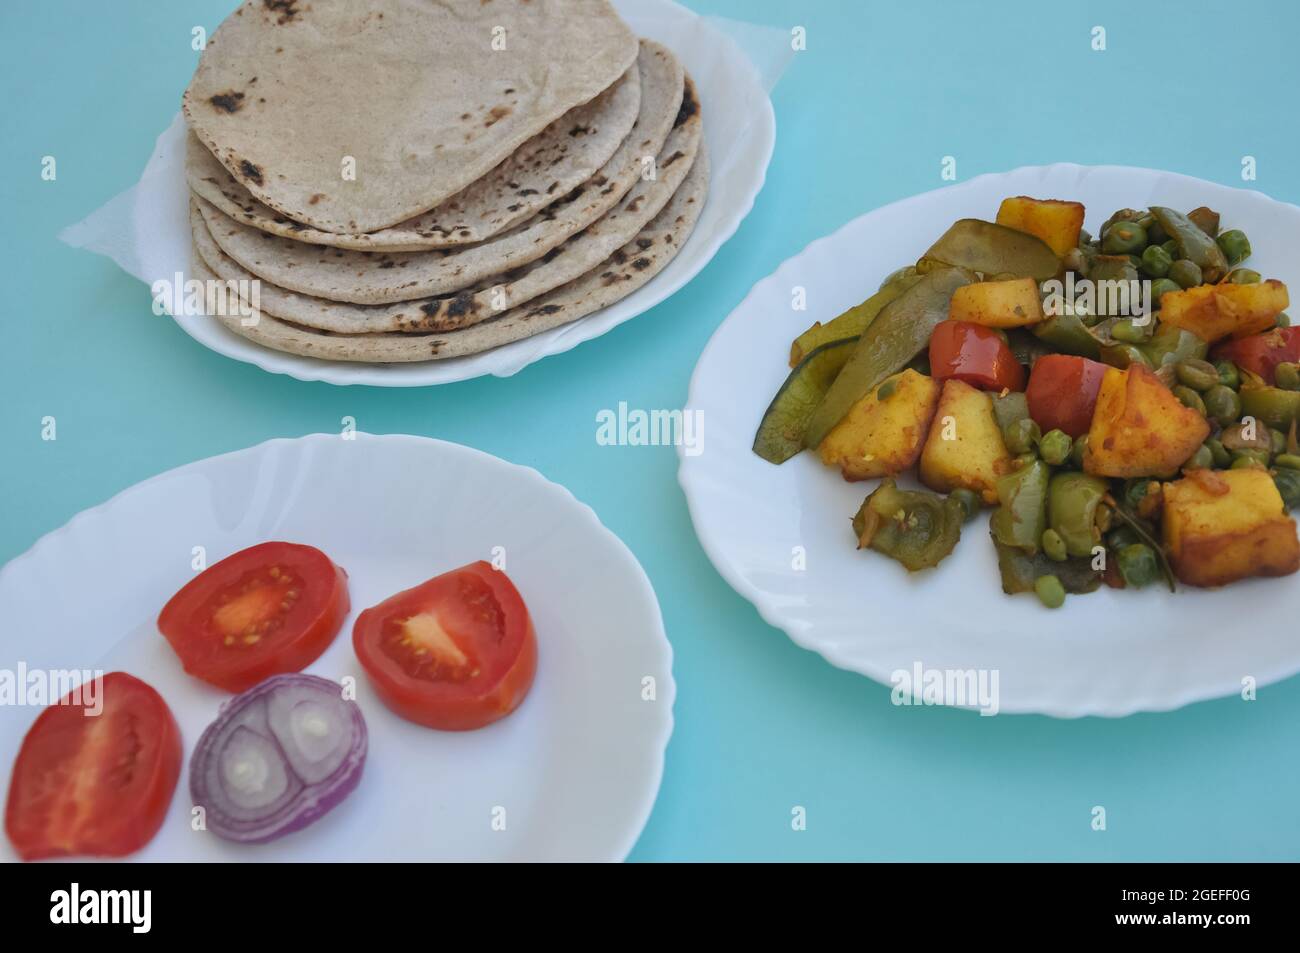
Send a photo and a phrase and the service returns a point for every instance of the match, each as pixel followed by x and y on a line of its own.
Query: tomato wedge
pixel 456 653
pixel 266 610
pixel 1062 392
pixel 98 784
pixel 974 354
pixel 1262 353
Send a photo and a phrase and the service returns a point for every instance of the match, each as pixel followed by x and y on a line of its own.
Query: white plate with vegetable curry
pixel 1124 476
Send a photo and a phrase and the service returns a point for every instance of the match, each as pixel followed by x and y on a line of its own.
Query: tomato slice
pixel 99 784
pixel 456 653
pixel 266 610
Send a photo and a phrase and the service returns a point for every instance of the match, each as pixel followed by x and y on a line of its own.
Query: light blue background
pixel 883 92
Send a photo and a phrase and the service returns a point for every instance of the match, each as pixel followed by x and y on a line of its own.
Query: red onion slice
pixel 278 757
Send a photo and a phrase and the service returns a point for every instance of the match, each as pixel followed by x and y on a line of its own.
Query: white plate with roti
pixel 428 271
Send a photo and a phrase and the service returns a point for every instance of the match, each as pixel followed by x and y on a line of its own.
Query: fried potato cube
pixel 964 447
pixel 1221 526
pixel 1212 312
pixel 881 436
pixel 1139 428
pixel 998 304
pixel 1055 221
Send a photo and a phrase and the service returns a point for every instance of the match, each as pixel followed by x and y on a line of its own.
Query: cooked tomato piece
pixel 1062 392
pixel 266 610
pixel 1262 353
pixel 99 784
pixel 457 652
pixel 974 354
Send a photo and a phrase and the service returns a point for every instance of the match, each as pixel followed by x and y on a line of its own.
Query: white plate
pixel 1107 653
pixel 576 767
pixel 739 128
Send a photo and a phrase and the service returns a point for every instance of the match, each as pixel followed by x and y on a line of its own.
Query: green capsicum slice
pixel 1019 569
pixel 1068 334
pixel 1010 407
pixel 1171 345
pixel 1072 500
pixel 991 249
pixel 1276 407
pixel 851 323
pixel 916 527
pixel 1022 516
pixel 780 433
pixel 898 334
pixel 1193 243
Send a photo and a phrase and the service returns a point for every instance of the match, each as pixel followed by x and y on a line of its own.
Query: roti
pixel 543 170
pixel 624 272
pixel 351 117
pixel 498 292
pixel 376 278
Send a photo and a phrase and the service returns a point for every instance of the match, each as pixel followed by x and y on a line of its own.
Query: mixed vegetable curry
pixel 1143 429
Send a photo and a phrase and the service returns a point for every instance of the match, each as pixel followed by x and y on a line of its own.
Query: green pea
pixel 1244 276
pixel 1021 436
pixel 1283 320
pixel 1186 273
pixel 1229 376
pixel 1054 447
pixel 1160 287
pixel 1136 490
pixel 1128 332
pixel 1050 592
pixel 1156 233
pixel 1156 261
pixel 1171 248
pixel 886 390
pixel 1079 448
pixel 1054 546
pixel 1235 245
pixel 1197 374
pixel 1202 459
pixel 1241 459
pixel 1222 404
pixel 1137 565
pixel 1023 460
pixel 1289 461
pixel 1277 441
pixel 1287 376
pixel 969 500
pixel 1190 398
pixel 1219 452
pixel 1123 238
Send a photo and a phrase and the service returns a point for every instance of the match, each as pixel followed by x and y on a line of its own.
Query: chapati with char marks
pixel 377 278
pixel 544 169
pixel 417 98
pixel 629 269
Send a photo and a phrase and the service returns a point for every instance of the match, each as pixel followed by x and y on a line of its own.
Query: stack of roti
pixel 413 180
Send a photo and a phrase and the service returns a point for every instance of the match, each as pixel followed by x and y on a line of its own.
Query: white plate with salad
pixel 340 647
pixel 783 534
